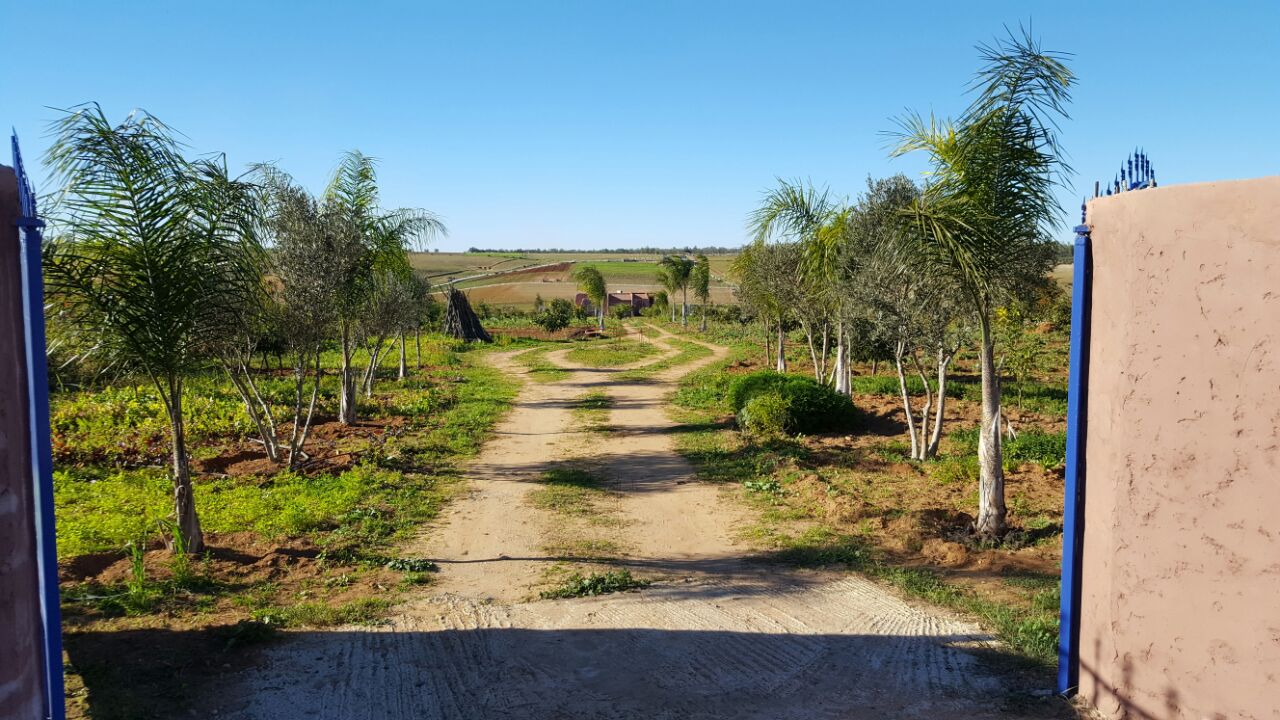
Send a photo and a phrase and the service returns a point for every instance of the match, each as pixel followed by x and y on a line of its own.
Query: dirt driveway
pixel 719 634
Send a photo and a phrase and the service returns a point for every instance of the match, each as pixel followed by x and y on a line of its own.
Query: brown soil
pixel 146 666
pixel 332 447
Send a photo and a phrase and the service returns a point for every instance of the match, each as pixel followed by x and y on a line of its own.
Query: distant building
pixel 636 301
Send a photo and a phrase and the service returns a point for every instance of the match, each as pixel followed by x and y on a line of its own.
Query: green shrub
pixel 766 414
pixel 578 585
pixel 810 407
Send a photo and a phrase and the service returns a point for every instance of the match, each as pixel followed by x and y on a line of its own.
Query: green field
pixel 518 279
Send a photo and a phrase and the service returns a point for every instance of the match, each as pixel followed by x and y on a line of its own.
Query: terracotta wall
pixel 1181 570
pixel 21 633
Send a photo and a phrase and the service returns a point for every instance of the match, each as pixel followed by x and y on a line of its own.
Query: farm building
pixel 636 301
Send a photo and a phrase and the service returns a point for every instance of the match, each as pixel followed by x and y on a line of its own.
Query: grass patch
pixel 365 611
pixel 591 411
pixel 540 368
pixel 568 491
pixel 578 585
pixel 1048 450
pixel 688 352
pixel 611 353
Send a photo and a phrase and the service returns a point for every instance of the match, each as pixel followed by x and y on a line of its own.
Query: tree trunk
pixel 375 359
pixel 417 346
pixel 184 502
pixel 298 438
pixel 826 345
pixel 813 352
pixel 781 365
pixel 600 313
pixel 924 412
pixel 704 317
pixel 944 360
pixel 258 410
pixel 898 353
pixel 347 381
pixel 841 374
pixel 991 508
pixel 404 370
pixel 684 308
pixel 768 351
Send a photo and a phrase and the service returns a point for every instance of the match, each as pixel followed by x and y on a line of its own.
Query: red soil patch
pixel 331 447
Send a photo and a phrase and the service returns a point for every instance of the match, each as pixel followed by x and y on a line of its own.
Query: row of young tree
pixel 920 271
pixel 161 266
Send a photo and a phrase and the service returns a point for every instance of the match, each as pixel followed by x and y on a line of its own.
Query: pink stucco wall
pixel 1181 570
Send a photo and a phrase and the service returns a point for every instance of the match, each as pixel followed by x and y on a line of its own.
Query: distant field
pixel 1062 275
pixel 519 279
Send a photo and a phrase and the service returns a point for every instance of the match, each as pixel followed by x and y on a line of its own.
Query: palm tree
pixel 591 282
pixel 671 287
pixel 800 213
pixel 150 253
pixel 679 271
pixel 700 278
pixel 377 243
pixel 987 213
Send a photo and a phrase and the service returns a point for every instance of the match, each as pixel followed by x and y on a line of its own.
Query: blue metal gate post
pixel 29 231
pixel 1073 505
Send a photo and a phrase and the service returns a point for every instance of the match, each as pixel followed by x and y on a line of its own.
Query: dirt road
pixel 718 635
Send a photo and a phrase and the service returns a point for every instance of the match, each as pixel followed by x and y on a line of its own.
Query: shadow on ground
pixel 520 673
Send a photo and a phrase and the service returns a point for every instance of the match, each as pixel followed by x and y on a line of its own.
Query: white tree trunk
pixel 842 383
pixel 813 352
pixel 825 351
pixel 924 412
pixel 944 361
pixel 404 370
pixel 991 508
pixel 347 381
pixel 781 365
pixel 898 354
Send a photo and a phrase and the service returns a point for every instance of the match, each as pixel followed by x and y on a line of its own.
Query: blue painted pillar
pixel 1073 504
pixel 41 457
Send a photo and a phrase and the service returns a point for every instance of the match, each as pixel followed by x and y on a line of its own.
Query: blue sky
pixel 607 124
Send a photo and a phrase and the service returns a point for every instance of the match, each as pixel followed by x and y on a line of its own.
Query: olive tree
pixel 767 286
pixel 305 238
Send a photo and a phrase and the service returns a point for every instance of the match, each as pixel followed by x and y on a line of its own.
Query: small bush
pixel 766 414
pixel 577 585
pixel 810 407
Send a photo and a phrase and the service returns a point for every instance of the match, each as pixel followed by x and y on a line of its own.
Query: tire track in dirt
pixel 720 635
